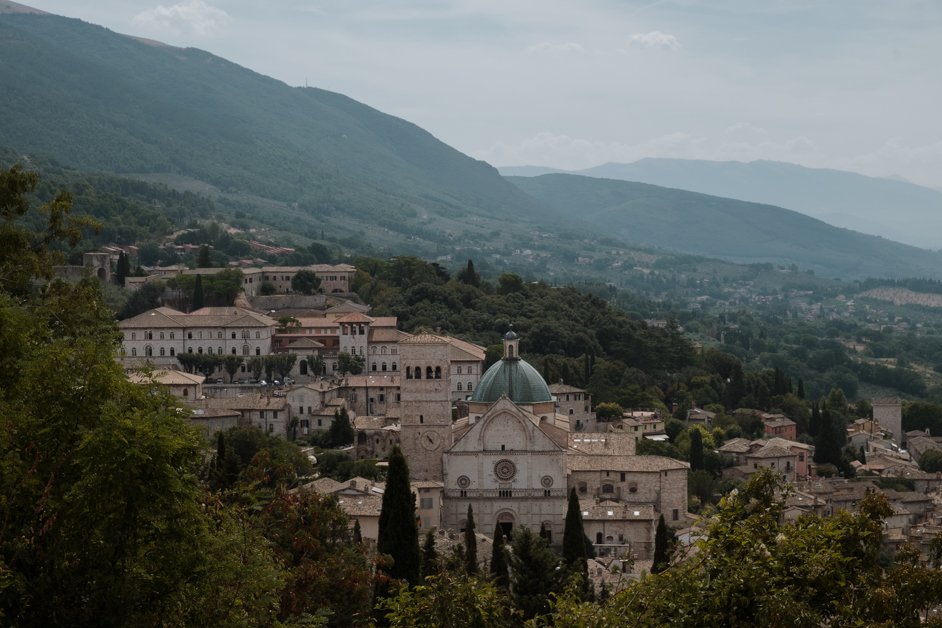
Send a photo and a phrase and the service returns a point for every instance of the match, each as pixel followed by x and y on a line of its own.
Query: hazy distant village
pixel 501 438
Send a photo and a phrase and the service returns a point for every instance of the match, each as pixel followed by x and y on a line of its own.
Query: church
pixel 514 458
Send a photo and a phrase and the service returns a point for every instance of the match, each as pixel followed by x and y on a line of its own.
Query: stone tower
pixel 99 264
pixel 425 403
pixel 889 414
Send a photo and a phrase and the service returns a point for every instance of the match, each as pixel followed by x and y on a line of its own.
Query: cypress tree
pixel 574 550
pixel 696 449
pixel 202 259
pixel 429 555
pixel 827 445
pixel 662 543
pixel 470 544
pixel 815 423
pixel 535 573
pixel 198 293
pixel 357 533
pixel 398 534
pixel 499 559
pixel 801 389
pixel 123 269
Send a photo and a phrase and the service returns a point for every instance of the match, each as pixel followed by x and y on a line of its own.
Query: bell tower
pixel 425 403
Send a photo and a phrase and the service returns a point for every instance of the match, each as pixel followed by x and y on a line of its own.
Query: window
pixel 219 350
pixel 463 493
pixel 383 350
pixel 161 335
pixel 459 370
pixel 133 336
pixel 384 366
pixel 171 335
pixel 233 351
pixel 233 335
pixel 428 372
pixel 271 428
pixel 469 386
pixel 408 372
pixel 261 414
pixel 209 350
pixel 438 372
pixel 395 367
pixel 505 492
pixel 219 335
pixel 374 366
pixel 258 335
pixel 425 503
pixel 189 335
pixel 608 488
pixel 258 351
pixel 149 351
pixel 622 476
pixel 186 392
pixel 133 352
pixel 172 353
pixel 459 386
pixel 161 352
pixel 245 349
pixel 546 492
pixel 675 514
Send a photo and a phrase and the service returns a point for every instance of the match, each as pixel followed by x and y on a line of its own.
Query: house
pixel 184 386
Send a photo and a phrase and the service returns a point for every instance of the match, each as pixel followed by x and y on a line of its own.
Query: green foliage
pixel 341 431
pixel 430 561
pixel 500 569
pixel 349 363
pixel 448 600
pixel 696 449
pixel 305 282
pixel 931 461
pixel 198 301
pixel 470 544
pixel 398 535
pixel 663 546
pixel 535 573
pixel 219 289
pixel 147 297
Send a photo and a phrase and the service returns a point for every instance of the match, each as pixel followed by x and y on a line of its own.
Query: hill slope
pixel 893 209
pixel 98 100
pixel 725 228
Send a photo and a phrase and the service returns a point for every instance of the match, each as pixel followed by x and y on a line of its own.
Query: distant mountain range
pixel 724 228
pixel 304 161
pixel 891 208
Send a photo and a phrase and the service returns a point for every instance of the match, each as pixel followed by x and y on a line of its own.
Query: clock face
pixel 430 440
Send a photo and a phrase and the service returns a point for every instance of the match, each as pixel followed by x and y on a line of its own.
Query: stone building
pixel 889 414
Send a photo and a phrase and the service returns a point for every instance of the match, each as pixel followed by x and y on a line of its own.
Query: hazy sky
pixel 849 84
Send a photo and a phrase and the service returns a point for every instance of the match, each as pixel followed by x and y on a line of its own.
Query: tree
pixel 696 449
pixel 470 544
pixel 828 444
pixel 499 567
pixel 305 282
pixel 316 365
pixel 256 366
pixel 430 565
pixel 232 363
pixel 123 268
pixel 349 363
pixel 398 535
pixel 341 432
pixel 931 461
pixel 448 600
pixel 203 259
pixel 535 573
pixel 469 276
pixel 198 300
pixel 663 538
pixel 574 546
pixel 282 363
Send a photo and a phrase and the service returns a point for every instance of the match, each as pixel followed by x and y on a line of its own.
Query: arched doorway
pixel 505 522
pixel 302 367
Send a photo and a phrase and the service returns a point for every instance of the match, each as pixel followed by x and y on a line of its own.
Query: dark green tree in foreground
pixel 470 544
pixel 398 534
pixel 430 565
pixel 535 573
pixel 663 540
pixel 696 449
pixel 123 268
pixel 499 569
pixel 574 553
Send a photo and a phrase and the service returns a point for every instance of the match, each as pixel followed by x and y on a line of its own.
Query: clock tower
pixel 425 403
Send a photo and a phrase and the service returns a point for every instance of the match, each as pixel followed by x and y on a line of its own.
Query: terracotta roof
pixel 424 338
pixel 788 444
pixel 247 402
pixel 771 451
pixel 471 350
pixel 355 317
pixel 386 334
pixel 559 387
pixel 602 443
pixel 735 446
pixel 166 377
pixel 366 505
pixel 156 318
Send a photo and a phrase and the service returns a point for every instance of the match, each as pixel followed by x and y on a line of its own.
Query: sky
pixel 846 84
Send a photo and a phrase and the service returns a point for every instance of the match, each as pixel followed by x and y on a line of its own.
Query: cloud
pixel 550 47
pixel 655 39
pixel 190 16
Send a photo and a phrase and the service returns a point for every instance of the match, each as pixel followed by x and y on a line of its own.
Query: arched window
pixel 418 372
pixel 469 386
pixel 172 353
pixel 428 372
pixel 374 366
pixel 245 349
pixel 384 366
pixel 233 351
pixel 133 352
pixel 209 350
pixel 133 336
pixel 395 367
pixel 149 351
pixel 148 335
pixel 373 350
pixel 200 350
pixel 189 349
pixel 459 386
pixel 219 350
pixel 161 352
pixel 438 372
pixel 408 372
pixel 608 488
pixel 383 350
pixel 219 335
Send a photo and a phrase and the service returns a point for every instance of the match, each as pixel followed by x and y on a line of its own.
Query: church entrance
pixel 505 521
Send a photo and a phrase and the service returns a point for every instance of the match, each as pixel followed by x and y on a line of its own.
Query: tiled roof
pixel 166 377
pixel 735 446
pixel 386 334
pixel 464 350
pixel 366 505
pixel 355 317
pixel 771 451
pixel 560 387
pixel 642 464
pixel 602 443
pixel 424 338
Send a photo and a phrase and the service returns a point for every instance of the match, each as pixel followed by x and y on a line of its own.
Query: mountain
pixel 892 208
pixel 97 100
pixel 724 228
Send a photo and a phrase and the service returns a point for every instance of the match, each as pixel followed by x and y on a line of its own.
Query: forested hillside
pixel 726 228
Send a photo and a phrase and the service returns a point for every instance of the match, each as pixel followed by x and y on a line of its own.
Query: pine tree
pixel 398 535
pixel 470 544
pixel 535 573
pixel 357 533
pixel 429 555
pixel 696 449
pixel 198 293
pixel 828 444
pixel 815 423
pixel 340 432
pixel 123 269
pixel 499 569
pixel 574 554
pixel 663 538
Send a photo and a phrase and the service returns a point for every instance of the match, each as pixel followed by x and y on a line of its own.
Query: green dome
pixel 515 378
